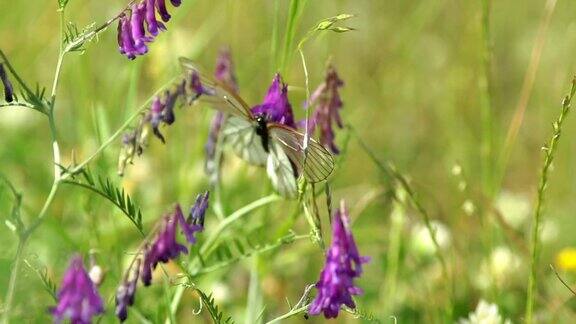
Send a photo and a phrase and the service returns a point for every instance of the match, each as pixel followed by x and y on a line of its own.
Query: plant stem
pixel 294 13
pixel 484 85
pixel 549 151
pixel 291 313
pixel 13 277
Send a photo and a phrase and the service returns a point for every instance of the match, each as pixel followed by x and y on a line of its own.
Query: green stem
pixel 536 219
pixel 13 277
pixel 484 85
pixel 291 313
pixel 294 13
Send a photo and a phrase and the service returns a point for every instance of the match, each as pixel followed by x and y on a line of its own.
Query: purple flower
pixel 225 70
pixel 343 264
pixel 170 101
pixel 164 248
pixel 198 210
pixel 132 37
pixel 156 110
pixel 196 86
pixel 276 106
pixel 225 74
pixel 137 28
pixel 78 298
pixel 162 110
pixel 126 44
pixel 161 6
pixel 153 25
pixel 125 294
pixel 326 99
pixel 8 90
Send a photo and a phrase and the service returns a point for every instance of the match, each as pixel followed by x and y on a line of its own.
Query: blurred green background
pixel 412 71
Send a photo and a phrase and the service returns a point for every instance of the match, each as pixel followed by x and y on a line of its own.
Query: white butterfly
pixel 259 142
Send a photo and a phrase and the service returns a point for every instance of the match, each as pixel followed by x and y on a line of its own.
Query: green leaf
pixel 217 316
pixel 42 273
pixel 105 188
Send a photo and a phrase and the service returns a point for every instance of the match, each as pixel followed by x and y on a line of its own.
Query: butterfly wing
pixel 215 93
pixel 247 145
pixel 318 163
pixel 280 172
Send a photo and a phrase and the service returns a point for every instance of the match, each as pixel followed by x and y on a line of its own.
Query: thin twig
pixel 562 280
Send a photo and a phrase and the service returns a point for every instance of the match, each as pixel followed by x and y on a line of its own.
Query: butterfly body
pixel 261 129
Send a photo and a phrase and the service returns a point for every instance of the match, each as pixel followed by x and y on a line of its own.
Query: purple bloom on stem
pixel 8 90
pixel 276 106
pixel 151 22
pixel 125 294
pixel 78 298
pixel 196 86
pixel 176 3
pixel 156 110
pixel 161 6
pixel 164 248
pixel 126 44
pixel 326 99
pixel 343 264
pixel 225 70
pixel 137 28
pixel 168 113
pixel 198 211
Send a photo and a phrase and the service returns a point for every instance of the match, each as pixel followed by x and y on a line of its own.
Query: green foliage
pixel 216 314
pixel 105 187
pixel 62 4
pixel 327 24
pixel 75 38
pixel 238 248
pixel 42 273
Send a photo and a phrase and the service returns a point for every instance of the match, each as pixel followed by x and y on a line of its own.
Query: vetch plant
pixel 265 134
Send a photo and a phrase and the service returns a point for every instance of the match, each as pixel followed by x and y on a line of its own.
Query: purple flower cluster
pixel 276 106
pixel 163 248
pixel 78 298
pixel 132 36
pixel 343 264
pixel 326 99
pixel 8 89
pixel 161 111
pixel 225 74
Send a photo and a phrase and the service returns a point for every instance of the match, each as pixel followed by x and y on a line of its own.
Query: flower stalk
pixel 549 151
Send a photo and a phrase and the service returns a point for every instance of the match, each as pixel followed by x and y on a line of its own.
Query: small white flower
pixel 422 240
pixel 96 274
pixel 485 313
pixel 498 268
pixel 515 208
